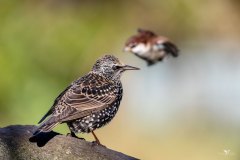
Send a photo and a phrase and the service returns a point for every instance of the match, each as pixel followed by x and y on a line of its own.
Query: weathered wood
pixel 16 144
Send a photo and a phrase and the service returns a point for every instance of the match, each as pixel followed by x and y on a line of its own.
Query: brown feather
pixel 74 104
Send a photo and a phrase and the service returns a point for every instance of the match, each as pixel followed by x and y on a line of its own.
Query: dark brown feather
pixel 171 48
pixel 81 99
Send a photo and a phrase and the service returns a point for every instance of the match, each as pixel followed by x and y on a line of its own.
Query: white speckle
pixel 68 151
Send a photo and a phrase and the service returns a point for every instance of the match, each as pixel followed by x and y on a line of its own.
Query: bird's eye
pixel 133 45
pixel 115 67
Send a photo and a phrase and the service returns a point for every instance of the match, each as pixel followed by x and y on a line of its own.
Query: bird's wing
pixel 91 94
pixel 171 48
pixel 54 104
pixel 163 43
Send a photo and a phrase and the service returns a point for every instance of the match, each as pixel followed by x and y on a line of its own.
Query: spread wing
pixel 163 43
pixel 85 96
pixel 171 48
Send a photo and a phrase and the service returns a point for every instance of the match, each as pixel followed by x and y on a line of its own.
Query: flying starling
pixel 91 101
pixel 150 47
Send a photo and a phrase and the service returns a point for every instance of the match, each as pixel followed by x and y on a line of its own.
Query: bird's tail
pixel 46 126
pixel 171 48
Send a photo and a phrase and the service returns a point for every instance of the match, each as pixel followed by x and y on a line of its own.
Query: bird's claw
pixel 96 143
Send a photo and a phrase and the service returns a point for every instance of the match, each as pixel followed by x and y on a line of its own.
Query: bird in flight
pixel 89 102
pixel 150 47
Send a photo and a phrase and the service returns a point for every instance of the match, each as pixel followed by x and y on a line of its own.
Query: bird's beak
pixel 126 49
pixel 127 67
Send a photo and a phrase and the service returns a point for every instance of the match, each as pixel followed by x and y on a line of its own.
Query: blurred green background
pixel 185 108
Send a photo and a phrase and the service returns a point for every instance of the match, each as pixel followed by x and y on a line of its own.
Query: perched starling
pixel 150 47
pixel 91 101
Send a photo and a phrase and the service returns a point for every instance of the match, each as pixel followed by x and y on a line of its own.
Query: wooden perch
pixel 16 144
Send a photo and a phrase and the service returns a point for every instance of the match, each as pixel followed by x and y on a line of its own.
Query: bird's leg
pixel 73 134
pixel 97 140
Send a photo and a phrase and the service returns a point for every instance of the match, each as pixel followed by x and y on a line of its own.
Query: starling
pixel 91 101
pixel 150 47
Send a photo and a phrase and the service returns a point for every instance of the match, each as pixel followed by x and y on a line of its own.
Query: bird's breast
pixel 141 49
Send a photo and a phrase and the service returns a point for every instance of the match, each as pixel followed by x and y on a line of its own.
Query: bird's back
pixel 89 94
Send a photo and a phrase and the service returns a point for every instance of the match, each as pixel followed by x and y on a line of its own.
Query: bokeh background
pixel 186 108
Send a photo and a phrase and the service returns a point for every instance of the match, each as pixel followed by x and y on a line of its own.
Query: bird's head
pixel 140 43
pixel 110 67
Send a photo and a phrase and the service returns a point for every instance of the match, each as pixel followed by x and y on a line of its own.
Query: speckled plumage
pixel 91 101
pixel 109 93
pixel 150 47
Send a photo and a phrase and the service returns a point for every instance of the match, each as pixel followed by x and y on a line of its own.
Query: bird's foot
pixel 74 135
pixel 150 63
pixel 97 143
